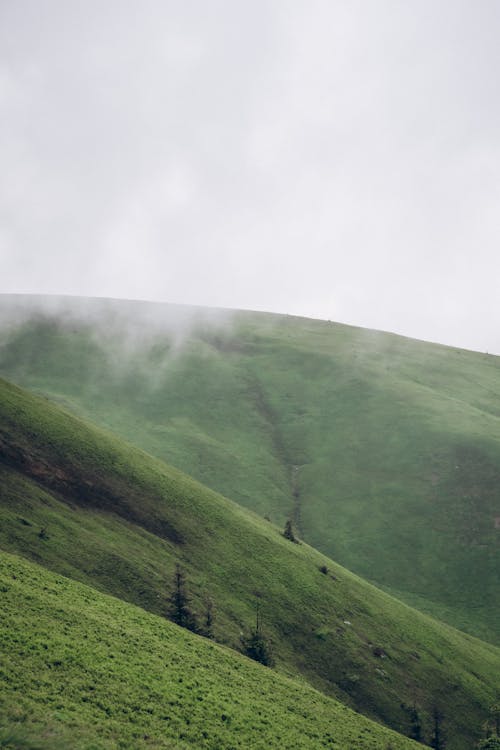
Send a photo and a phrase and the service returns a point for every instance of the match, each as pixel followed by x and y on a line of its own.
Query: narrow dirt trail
pixel 280 451
pixel 295 489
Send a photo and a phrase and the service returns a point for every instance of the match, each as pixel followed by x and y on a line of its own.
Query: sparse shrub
pixel 492 743
pixel 494 720
pixel 323 569
pixel 42 534
pixel 257 646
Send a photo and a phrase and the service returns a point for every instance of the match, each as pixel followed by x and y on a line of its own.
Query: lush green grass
pixel 385 451
pixel 118 519
pixel 85 670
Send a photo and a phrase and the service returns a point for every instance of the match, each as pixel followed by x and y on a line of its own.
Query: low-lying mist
pixel 133 336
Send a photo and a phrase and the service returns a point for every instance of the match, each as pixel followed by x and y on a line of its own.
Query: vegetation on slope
pixel 385 452
pixel 85 670
pixel 81 502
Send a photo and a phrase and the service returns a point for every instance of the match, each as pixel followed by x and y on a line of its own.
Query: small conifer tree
pixel 438 741
pixel 207 630
pixel 416 725
pixel 256 645
pixel 289 533
pixel 179 609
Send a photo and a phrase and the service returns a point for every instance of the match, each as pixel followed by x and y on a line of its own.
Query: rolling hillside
pixel 85 670
pixel 78 501
pixel 384 451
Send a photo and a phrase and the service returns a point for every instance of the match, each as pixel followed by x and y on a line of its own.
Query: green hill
pixel 85 670
pixel 82 503
pixel 385 451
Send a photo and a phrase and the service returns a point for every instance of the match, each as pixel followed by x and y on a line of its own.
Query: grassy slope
pixel 119 519
pixel 372 442
pixel 85 670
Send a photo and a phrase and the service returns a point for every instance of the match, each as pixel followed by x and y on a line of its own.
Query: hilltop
pixel 79 501
pixel 384 451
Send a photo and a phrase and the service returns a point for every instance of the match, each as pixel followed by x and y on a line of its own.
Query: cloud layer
pixel 332 159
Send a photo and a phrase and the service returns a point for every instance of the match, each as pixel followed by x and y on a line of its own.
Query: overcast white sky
pixel 337 159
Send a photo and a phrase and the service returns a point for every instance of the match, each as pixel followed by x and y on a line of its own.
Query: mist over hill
pixel 383 451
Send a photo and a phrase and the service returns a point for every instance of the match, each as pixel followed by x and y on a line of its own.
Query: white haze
pixel 123 329
pixel 336 159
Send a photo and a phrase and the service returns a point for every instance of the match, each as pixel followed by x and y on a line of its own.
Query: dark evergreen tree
pixel 207 630
pixel 289 533
pixel 179 609
pixel 438 741
pixel 416 725
pixel 256 645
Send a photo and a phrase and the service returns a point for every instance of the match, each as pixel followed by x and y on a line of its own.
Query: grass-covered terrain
pixel 83 670
pixel 384 451
pixel 82 503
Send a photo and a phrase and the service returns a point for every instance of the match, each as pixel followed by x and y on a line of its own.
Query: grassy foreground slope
pixel 84 670
pixel 81 502
pixel 385 451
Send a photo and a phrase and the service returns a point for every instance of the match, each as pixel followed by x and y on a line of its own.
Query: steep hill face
pixel 384 451
pixel 78 501
pixel 84 670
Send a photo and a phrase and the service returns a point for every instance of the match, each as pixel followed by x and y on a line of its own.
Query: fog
pixel 126 332
pixel 337 160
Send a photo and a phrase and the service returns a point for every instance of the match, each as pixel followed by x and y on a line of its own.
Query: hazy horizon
pixel 334 160
pixel 178 318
